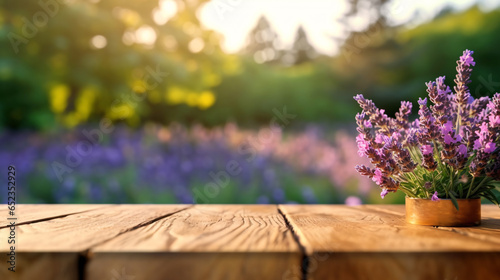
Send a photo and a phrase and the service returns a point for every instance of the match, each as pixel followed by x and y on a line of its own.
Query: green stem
pixel 470 187
pixel 447 191
pixel 438 156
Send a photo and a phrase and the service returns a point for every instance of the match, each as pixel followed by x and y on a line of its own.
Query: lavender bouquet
pixel 450 151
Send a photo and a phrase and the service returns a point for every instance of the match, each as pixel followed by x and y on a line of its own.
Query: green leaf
pixel 491 197
pixel 454 200
pixel 495 183
pixel 461 190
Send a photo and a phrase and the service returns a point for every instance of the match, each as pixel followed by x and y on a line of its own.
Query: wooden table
pixel 125 242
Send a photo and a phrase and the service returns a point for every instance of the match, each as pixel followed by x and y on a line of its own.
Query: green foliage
pixel 59 76
pixel 396 62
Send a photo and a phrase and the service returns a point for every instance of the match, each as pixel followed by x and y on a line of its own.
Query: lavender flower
pixel 383 193
pixel 428 129
pixel 454 141
pixel 438 94
pixel 403 115
pixel 435 197
pixel 462 79
pixel 428 161
pixel 426 150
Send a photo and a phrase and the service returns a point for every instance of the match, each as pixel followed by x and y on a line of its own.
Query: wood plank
pixel 79 232
pixel 204 242
pixel 192 265
pixel 47 265
pixel 44 242
pixel 28 213
pixel 361 243
pixel 408 265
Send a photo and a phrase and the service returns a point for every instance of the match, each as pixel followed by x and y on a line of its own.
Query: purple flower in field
pixel 435 197
pixel 426 149
pixel 489 147
pixel 467 58
pixel 353 201
pixel 383 193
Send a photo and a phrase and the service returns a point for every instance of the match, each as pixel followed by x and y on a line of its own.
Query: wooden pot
pixel 426 212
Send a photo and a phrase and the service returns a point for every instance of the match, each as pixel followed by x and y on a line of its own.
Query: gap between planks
pixel 242 237
pixel 84 256
pixel 304 264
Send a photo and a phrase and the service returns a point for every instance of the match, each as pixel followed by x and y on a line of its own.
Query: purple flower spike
pixel 462 150
pixel 484 129
pixel 384 193
pixel 378 177
pixel 489 147
pixel 467 58
pixel 441 87
pixel 494 120
pixel 426 149
pixel 447 128
pixel 448 140
pixel 363 145
pixel 422 102
pixel 477 145
pixel 435 197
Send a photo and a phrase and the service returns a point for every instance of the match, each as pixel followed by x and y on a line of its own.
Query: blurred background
pixel 223 101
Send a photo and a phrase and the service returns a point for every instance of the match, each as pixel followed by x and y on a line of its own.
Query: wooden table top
pixel 244 242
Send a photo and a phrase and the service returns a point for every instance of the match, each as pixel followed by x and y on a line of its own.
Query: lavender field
pixel 176 164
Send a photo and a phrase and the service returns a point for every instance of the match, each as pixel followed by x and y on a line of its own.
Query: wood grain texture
pixel 204 242
pixel 489 230
pixel 28 213
pixel 247 242
pixel 79 232
pixel 365 242
pixel 58 244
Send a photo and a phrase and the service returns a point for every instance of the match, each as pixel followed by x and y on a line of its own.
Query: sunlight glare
pixel 98 41
pixel 166 10
pixel 145 35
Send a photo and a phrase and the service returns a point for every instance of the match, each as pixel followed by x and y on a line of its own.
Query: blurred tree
pixel 262 43
pixel 302 50
pixel 125 61
pixel 153 61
